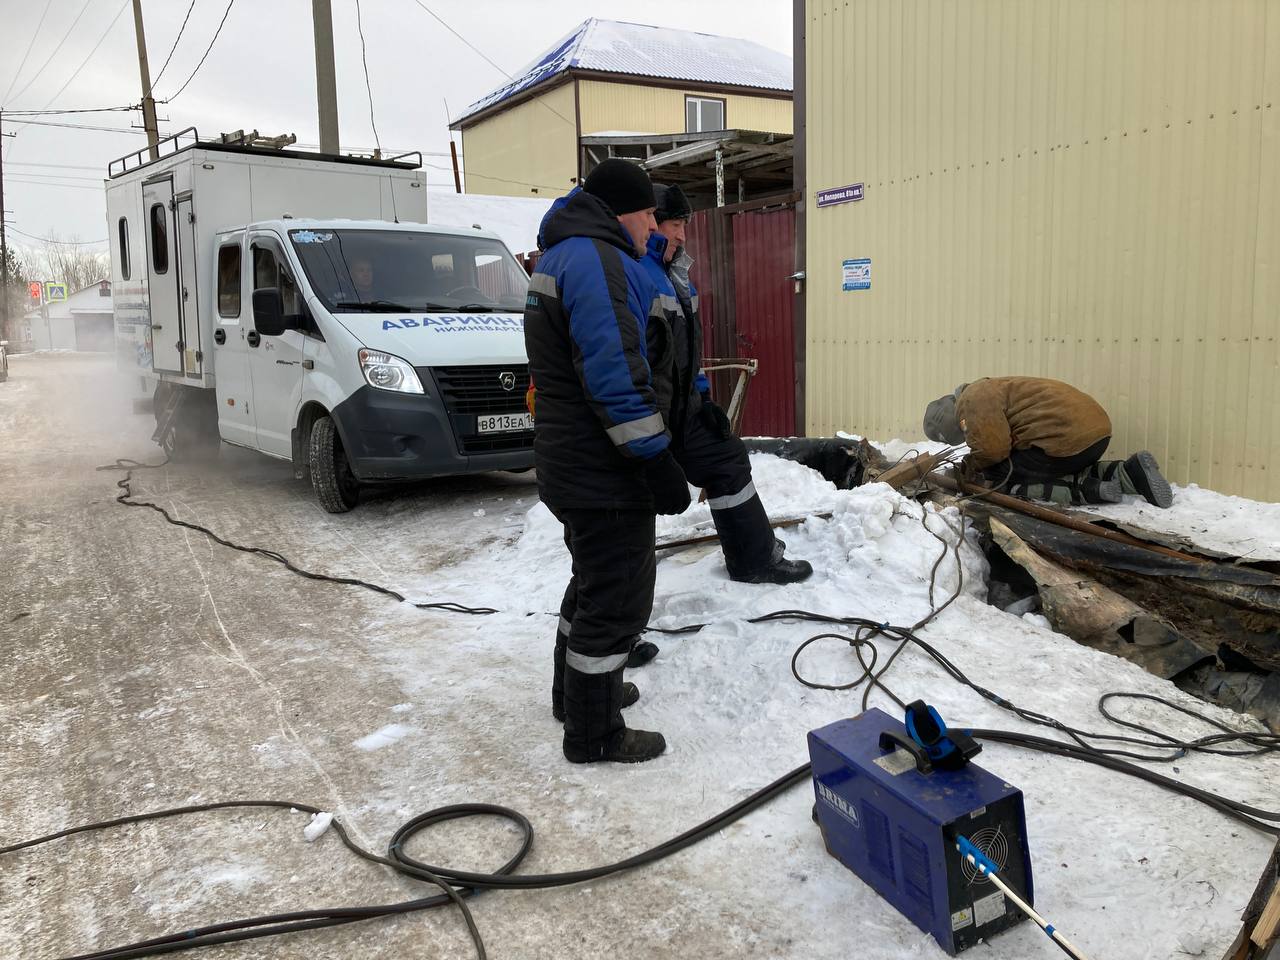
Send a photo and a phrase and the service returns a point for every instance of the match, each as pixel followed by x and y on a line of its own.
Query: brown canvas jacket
pixel 1001 414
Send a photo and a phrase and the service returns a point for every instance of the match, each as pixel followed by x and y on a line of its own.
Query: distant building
pixel 81 322
pixel 615 83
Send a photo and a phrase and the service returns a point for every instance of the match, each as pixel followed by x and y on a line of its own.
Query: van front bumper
pixel 411 436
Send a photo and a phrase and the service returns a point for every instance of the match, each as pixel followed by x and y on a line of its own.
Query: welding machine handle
pixel 890 741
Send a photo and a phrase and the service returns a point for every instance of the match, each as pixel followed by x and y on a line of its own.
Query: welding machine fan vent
pixel 990 841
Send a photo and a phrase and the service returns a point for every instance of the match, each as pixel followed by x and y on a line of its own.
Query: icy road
pixel 146 667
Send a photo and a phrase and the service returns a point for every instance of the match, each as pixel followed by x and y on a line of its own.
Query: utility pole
pixel 326 80
pixel 148 102
pixel 4 247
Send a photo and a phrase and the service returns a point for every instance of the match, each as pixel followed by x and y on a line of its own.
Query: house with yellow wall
pixel 606 77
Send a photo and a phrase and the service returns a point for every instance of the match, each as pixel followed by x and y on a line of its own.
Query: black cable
pixel 126 498
pixel 364 60
pixel 176 39
pixel 172 97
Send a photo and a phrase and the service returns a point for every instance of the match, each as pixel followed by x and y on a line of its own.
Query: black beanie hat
pixel 623 186
pixel 672 203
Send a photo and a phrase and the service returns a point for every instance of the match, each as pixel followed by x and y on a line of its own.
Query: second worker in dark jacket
pixel 600 354
pixel 702 440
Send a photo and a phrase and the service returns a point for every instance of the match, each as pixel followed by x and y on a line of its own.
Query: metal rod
pixel 1053 516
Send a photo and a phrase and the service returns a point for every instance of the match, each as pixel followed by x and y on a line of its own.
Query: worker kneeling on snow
pixel 1042 439
pixel 600 353
pixel 701 438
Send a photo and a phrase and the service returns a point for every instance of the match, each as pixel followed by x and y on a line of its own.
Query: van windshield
pixel 380 271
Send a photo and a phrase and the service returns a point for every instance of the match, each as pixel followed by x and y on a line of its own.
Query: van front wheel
pixel 335 485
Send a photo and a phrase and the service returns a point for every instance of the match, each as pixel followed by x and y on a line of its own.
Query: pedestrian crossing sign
pixel 55 291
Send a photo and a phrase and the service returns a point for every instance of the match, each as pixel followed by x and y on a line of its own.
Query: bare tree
pixel 70 262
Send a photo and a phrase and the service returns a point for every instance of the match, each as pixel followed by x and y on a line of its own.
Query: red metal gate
pixel 743 259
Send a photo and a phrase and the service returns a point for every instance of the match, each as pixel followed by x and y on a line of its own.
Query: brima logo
pixel 839 804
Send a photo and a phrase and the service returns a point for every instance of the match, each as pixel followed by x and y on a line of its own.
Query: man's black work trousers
pixel 720 465
pixel 607 602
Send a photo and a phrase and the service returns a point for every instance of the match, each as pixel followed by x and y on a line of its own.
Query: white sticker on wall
pixel 856 274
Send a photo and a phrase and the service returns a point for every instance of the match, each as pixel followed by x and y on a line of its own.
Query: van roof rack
pixel 251 143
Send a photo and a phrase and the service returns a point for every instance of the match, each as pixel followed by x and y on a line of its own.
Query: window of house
pixel 124 248
pixel 229 280
pixel 703 113
pixel 159 239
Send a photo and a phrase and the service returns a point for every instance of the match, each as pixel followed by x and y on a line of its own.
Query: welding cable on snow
pixel 126 498
pixel 990 871
pixel 458 885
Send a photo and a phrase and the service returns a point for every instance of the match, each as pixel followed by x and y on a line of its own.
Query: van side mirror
pixel 268 312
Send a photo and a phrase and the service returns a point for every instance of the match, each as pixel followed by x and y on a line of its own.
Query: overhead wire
pixel 364 60
pixel 208 50
pixel 489 60
pixel 44 66
pixel 176 40
pixel 30 45
pixel 60 243
pixel 89 56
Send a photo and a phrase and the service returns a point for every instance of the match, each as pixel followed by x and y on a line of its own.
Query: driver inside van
pixel 361 271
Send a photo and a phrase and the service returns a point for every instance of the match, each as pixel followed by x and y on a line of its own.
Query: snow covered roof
pixel 637 49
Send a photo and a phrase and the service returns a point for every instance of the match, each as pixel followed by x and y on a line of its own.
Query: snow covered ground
pixel 150 668
pixel 1148 879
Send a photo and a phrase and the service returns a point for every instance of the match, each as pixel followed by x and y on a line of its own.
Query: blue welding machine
pixel 892 799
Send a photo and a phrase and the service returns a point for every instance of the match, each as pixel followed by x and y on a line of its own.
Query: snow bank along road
pixel 147 667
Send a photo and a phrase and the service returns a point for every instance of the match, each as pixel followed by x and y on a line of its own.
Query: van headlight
pixel 386 372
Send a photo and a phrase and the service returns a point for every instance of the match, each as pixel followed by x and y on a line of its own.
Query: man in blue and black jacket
pixel 600 355
pixel 702 440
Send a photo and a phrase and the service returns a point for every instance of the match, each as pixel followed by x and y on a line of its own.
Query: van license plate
pixel 504 423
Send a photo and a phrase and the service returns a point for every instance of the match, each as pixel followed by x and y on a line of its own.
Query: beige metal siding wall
pixel 1086 190
pixel 529 150
pixel 643 109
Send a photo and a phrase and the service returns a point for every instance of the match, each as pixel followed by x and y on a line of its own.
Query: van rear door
pixel 163 276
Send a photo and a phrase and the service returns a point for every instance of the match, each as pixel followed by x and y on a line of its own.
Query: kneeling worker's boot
pixel 630 692
pixel 1140 476
pixel 593 727
pixel 642 651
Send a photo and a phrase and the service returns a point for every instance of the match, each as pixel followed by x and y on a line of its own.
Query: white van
pixel 363 351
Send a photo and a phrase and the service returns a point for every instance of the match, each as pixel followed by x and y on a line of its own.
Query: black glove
pixel 715 420
pixel 667 483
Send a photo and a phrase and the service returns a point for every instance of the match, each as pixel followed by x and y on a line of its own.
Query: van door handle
pixel 253 338
pixel 219 336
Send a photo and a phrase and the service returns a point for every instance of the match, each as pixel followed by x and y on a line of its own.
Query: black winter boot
pixel 1139 475
pixel 630 692
pixel 642 651
pixel 593 728
pixel 779 569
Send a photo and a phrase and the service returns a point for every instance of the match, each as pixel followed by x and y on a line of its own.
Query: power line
pixel 60 176
pixel 175 43
pixel 61 166
pixel 216 34
pixel 480 53
pixel 52 113
pixel 79 126
pixel 49 183
pixel 369 89
pixel 86 60
pixel 36 76
pixel 61 243
pixel 30 45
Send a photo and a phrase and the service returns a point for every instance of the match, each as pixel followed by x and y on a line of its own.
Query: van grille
pixel 471 391
pixel 478 389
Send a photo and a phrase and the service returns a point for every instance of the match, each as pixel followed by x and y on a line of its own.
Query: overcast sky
pixel 260 75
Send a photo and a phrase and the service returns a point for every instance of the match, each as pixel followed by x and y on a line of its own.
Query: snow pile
pixel 383 737
pixel 316 829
